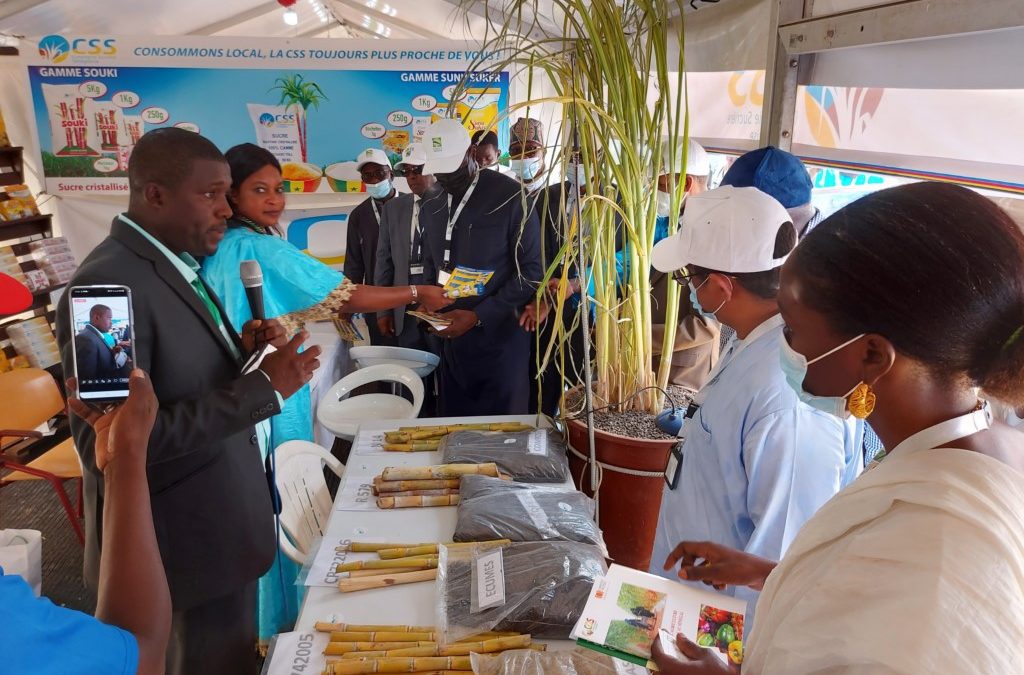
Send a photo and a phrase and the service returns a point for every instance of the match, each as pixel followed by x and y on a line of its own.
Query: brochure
pixel 436 321
pixel 626 610
pixel 467 282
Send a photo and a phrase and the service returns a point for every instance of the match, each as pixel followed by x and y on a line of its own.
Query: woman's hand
pixel 432 298
pixel 682 657
pixel 722 566
pixel 125 429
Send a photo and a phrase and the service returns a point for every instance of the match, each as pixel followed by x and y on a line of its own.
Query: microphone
pixel 252 280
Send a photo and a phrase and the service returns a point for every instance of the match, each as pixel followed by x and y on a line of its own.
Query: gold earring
pixel 862 401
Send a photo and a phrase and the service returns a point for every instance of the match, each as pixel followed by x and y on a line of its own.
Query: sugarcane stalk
pixel 407 551
pixel 385 580
pixel 465 648
pixel 407 434
pixel 383 636
pixel 330 671
pixel 422 493
pixel 370 547
pixel 359 574
pixel 400 665
pixel 414 561
pixel 394 473
pixel 338 648
pixel 428 445
pixel 325 627
pixel 387 486
pixel 417 502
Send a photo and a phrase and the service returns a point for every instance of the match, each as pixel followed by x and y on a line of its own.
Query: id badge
pixel 416 269
pixel 443 277
pixel 675 465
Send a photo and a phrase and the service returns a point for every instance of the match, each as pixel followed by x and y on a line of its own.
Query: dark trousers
pixel 550 383
pixel 217 638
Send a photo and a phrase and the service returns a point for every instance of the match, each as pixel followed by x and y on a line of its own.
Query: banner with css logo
pixel 314 105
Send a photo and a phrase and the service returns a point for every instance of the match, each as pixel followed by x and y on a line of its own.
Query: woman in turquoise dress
pixel 296 288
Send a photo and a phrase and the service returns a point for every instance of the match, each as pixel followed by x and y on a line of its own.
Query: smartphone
pixel 104 347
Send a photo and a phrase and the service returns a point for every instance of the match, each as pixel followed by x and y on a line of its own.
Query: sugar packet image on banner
pixel 466 282
pixel 70 127
pixel 107 125
pixel 277 131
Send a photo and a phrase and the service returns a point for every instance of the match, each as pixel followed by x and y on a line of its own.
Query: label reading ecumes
pixel 538 443
pixel 490 580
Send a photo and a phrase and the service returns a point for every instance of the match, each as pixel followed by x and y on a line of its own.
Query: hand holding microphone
pixel 259 331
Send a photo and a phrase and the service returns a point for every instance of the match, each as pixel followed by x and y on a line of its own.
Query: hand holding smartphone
pixel 103 342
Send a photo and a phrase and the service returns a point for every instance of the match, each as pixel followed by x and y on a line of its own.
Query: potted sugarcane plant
pixel 615 68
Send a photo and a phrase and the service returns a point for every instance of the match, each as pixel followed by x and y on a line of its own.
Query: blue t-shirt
pixel 38 637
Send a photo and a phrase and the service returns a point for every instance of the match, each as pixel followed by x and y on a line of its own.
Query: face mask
pixel 458 181
pixel 527 169
pixel 379 190
pixel 576 175
pixel 664 203
pixel 696 303
pixel 794 365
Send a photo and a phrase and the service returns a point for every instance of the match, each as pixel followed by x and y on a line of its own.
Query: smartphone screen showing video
pixel 104 342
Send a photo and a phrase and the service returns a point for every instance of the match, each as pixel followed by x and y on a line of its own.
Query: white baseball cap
pixel 413 155
pixel 727 229
pixel 697 162
pixel 374 156
pixel 445 143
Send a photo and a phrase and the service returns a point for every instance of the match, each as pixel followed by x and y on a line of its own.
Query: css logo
pixel 267 120
pixel 54 48
pixel 93 46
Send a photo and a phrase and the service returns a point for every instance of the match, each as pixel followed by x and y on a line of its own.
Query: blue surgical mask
pixel 794 365
pixel 696 303
pixel 379 190
pixel 527 169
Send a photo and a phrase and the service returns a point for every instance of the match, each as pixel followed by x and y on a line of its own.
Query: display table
pixel 412 604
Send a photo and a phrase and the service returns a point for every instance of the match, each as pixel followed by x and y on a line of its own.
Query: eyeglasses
pixel 409 171
pixel 681 277
pixel 373 175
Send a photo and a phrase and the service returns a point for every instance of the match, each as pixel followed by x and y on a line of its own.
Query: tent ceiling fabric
pixel 261 18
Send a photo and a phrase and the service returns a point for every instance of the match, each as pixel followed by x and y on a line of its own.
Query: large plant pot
pixel 629 504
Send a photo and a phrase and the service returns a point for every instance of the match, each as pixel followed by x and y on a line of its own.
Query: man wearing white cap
pixel 364 226
pixel 754 463
pixel 400 246
pixel 477 223
pixel 695 349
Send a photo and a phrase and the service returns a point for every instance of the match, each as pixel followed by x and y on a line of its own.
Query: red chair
pixel 31 398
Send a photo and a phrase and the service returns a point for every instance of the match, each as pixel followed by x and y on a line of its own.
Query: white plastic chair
pixel 342 414
pixel 305 500
pixel 421 362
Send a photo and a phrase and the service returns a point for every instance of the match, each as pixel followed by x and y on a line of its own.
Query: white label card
pixel 538 443
pixel 490 580
pixel 536 514
pixel 443 277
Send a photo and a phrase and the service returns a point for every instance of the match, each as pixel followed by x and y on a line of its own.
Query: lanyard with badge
pixel 446 267
pixel 416 243
pixel 376 212
pixel 674 467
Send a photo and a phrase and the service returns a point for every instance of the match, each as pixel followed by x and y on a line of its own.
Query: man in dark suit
pixel 364 227
pixel 480 222
pixel 211 502
pixel 400 246
pixel 98 354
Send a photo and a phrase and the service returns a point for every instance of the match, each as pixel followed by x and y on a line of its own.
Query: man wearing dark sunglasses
pixel 364 227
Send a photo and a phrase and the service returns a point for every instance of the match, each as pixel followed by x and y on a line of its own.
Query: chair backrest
pixel 305 500
pixel 384 372
pixel 30 397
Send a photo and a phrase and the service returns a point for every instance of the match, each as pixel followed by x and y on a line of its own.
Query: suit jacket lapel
pixel 127 235
pixel 404 237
